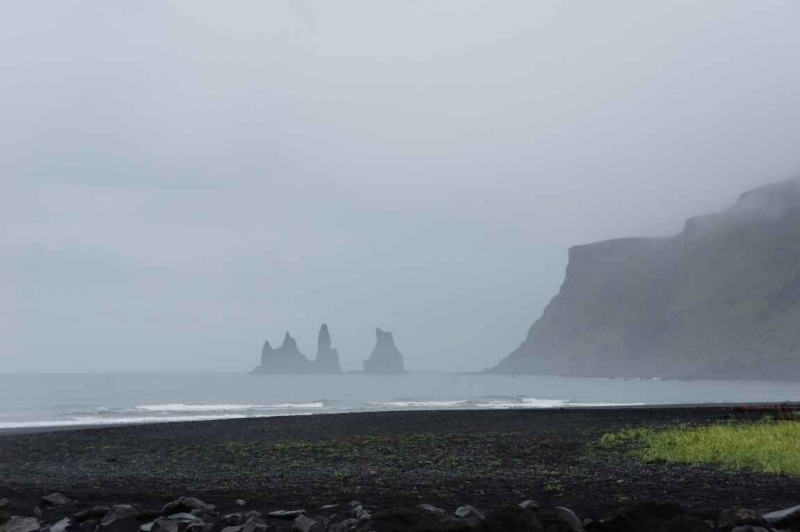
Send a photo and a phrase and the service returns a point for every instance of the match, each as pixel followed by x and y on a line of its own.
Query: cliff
pixel 719 300
pixel 385 357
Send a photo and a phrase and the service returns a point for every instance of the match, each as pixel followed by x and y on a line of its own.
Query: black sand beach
pixel 448 458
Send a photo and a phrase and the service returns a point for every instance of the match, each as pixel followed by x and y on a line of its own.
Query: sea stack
pixel 327 360
pixel 286 359
pixel 385 358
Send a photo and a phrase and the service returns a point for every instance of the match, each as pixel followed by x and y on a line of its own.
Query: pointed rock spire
pixel 327 360
pixel 385 358
pixel 289 342
pixel 266 351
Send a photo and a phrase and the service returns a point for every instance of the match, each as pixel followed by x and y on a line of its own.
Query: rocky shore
pixel 437 470
pixel 58 513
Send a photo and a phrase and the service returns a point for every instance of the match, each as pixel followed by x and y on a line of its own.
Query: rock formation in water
pixel 288 359
pixel 385 358
pixel 327 360
pixel 721 300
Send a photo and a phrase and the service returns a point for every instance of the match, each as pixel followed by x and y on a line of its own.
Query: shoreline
pixel 749 406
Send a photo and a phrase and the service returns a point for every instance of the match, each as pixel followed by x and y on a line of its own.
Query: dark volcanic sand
pixel 447 458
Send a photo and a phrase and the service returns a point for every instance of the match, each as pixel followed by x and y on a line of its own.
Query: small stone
pixel 789 518
pixel 568 517
pixel 233 520
pixel 306 524
pixel 92 513
pixel 21 524
pixel 286 514
pixel 187 504
pixel 529 505
pixel 37 513
pixel 465 512
pixel 240 502
pixel 329 507
pixel 345 526
pixel 118 514
pixel 353 504
pixel 431 508
pixel 55 499
pixel 61 526
pixel 737 517
pixel 749 528
pixel 164 525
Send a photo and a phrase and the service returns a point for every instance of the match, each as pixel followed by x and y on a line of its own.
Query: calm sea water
pixel 29 401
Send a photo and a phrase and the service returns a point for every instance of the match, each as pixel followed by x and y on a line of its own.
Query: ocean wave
pixel 179 407
pixel 422 404
pixel 524 402
pixel 96 421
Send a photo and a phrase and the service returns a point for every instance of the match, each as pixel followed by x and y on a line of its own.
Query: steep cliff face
pixel 719 300
pixel 385 357
pixel 327 360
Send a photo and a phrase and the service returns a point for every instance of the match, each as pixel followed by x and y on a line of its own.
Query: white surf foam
pixel 179 407
pixel 422 404
pixel 99 421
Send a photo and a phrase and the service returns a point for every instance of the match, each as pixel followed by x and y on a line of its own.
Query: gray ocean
pixel 35 401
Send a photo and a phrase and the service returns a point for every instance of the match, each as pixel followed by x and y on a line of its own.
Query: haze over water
pixel 36 401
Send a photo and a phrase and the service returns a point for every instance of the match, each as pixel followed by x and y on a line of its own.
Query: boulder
pixel 236 519
pixel 240 502
pixel 165 525
pixel 788 518
pixel 5 510
pixel 95 512
pixel 305 524
pixel 55 499
pixel 512 517
pixel 187 504
pixel 738 517
pixel 529 505
pixel 200 527
pixel 431 508
pixel 385 357
pixel 120 518
pixel 21 524
pixel 686 523
pixel 61 526
pixel 644 516
pixel 397 519
pixel 467 512
pixel 568 518
pixel 344 526
pixel 286 514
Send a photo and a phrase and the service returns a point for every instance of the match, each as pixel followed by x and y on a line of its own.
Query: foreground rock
pixel 5 510
pixel 55 499
pixel 385 357
pixel 187 505
pixel 21 524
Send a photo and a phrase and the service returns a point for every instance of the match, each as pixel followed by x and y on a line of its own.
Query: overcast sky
pixel 182 179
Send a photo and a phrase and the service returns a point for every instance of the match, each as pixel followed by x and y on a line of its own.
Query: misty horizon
pixel 184 180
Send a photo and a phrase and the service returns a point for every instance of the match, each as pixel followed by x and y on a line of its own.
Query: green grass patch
pixel 772 447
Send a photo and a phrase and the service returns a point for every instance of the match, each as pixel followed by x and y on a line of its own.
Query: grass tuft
pixel 771 447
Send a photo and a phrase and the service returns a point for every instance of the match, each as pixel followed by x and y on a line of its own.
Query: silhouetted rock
pixel 720 300
pixel 286 359
pixel 55 499
pixel 385 358
pixel 327 360
pixel 94 512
